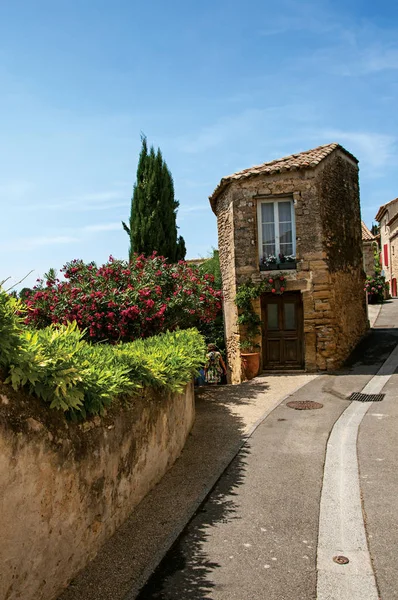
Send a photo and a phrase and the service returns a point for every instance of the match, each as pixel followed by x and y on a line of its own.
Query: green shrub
pixel 10 327
pixel 165 361
pixel 59 366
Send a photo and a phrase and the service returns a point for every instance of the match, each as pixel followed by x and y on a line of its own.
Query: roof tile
pixel 367 235
pixel 302 160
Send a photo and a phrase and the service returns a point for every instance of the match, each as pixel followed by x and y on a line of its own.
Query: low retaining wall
pixel 65 488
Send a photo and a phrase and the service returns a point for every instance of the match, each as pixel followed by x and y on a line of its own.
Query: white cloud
pixel 375 150
pixel 31 243
pixel 102 227
pixel 226 130
pixel 86 202
pixel 307 15
pixel 15 190
pixel 377 59
pixel 194 208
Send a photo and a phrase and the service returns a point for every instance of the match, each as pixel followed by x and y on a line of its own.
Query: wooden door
pixel 282 318
pixel 394 287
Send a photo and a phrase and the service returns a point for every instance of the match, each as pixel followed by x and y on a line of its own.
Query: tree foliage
pixel 152 226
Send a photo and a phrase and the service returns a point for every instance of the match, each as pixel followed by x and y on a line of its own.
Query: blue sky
pixel 219 86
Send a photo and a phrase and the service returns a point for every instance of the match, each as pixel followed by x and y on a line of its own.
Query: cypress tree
pixel 152 224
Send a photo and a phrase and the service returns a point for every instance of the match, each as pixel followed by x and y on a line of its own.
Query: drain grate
pixel 304 404
pixel 366 397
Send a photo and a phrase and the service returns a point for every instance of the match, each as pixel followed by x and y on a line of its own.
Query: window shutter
pixel 386 255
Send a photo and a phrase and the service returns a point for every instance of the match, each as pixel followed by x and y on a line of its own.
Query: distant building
pixel 298 214
pixel 387 216
pixel 369 248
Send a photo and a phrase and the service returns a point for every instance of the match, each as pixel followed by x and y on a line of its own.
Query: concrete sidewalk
pixel 225 417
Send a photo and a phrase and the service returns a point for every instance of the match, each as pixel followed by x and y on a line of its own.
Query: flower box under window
pixel 278 266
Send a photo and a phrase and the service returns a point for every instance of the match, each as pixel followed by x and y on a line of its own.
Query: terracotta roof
pixel 367 235
pixel 383 209
pixel 304 160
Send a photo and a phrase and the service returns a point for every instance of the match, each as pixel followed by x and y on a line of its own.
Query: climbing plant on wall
pixel 246 293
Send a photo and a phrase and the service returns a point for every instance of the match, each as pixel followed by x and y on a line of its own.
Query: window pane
pixel 285 233
pixel 285 228
pixel 285 238
pixel 286 249
pixel 267 212
pixel 272 316
pixel 268 250
pixel 290 316
pixel 268 233
pixel 285 211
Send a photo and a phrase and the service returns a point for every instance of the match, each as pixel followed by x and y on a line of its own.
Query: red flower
pixel 270 281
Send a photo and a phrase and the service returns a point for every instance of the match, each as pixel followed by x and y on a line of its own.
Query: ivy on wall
pixel 248 318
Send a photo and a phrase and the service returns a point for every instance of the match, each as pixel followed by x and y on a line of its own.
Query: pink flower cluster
pixel 122 301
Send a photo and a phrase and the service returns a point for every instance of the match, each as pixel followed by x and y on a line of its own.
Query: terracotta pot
pixel 250 363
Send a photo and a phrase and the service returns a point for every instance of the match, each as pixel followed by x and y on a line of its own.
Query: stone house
pixel 299 215
pixel 387 217
pixel 369 247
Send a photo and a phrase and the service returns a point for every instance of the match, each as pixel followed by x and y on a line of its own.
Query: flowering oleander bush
pixel 122 301
pixel 59 366
pixel 376 288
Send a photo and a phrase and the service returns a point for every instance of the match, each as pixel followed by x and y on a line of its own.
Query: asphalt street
pixel 256 534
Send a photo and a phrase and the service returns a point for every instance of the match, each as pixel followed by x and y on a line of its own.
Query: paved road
pixel 256 535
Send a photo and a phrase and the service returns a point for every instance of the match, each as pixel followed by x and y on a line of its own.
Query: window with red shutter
pixel 386 255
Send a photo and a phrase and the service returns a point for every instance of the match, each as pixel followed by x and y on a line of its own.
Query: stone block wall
pixel 226 246
pixel 368 257
pixel 65 488
pixel 329 272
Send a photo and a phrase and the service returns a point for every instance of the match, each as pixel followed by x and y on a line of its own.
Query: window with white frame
pixel 276 230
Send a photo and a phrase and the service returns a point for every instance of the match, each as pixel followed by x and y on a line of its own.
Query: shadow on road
pixel 371 351
pixel 186 564
pixel 127 559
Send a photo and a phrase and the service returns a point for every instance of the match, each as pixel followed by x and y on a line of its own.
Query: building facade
pixel 299 216
pixel 387 217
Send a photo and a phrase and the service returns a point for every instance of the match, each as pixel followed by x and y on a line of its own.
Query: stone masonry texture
pixel 329 272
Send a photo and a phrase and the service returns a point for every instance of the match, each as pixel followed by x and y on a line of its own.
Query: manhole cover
pixel 304 404
pixel 366 397
pixel 341 560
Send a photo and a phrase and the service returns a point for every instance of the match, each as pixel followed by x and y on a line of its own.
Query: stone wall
pixel 226 246
pixel 328 244
pixel 342 241
pixel 368 249
pixel 65 488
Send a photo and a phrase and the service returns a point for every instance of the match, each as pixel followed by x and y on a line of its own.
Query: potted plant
pixel 269 263
pixel 287 261
pixel 273 263
pixel 250 358
pixel 376 288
